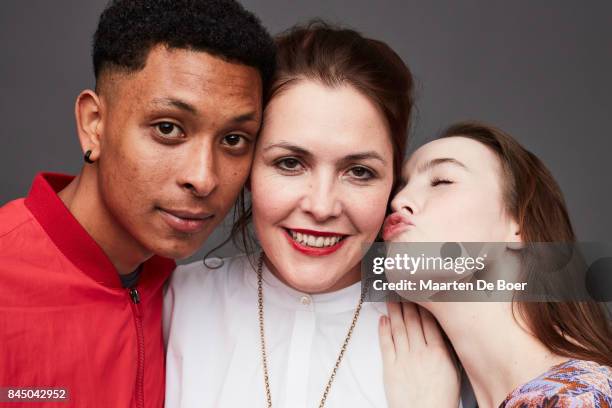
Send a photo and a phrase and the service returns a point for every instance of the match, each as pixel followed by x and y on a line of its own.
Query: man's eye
pixel 168 130
pixel 361 173
pixel 436 182
pixel 235 140
pixel 289 164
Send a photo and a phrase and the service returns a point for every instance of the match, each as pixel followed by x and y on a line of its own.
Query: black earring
pixel 86 157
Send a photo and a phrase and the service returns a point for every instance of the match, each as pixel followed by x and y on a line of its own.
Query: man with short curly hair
pixel 167 138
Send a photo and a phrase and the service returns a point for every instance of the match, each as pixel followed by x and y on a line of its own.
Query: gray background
pixel 539 70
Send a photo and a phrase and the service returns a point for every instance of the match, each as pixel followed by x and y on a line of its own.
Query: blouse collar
pixel 277 292
pixel 75 243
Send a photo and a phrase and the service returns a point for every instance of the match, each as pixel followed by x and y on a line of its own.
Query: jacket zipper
pixel 135 296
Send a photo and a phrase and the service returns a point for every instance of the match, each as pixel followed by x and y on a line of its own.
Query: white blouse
pixel 211 329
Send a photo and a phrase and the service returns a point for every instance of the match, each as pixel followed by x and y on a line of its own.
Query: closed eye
pixel 437 181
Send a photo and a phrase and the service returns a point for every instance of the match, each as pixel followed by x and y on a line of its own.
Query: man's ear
pixel 88 113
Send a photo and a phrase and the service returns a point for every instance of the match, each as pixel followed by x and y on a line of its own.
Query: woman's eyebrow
pixel 439 161
pixel 289 146
pixel 363 156
pixel 304 152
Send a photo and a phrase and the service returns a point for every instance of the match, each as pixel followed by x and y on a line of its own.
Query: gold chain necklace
pixel 263 340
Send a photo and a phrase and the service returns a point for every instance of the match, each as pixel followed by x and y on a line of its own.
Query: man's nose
pixel 199 172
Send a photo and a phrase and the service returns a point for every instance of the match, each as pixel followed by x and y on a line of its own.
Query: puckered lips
pixel 395 224
pixel 314 243
pixel 186 221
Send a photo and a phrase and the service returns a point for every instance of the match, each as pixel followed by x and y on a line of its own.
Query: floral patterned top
pixel 573 384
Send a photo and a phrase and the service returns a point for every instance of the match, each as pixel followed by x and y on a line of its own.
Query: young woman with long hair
pixel 476 183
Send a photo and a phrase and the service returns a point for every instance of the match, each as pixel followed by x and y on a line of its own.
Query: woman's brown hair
pixel 575 329
pixel 335 57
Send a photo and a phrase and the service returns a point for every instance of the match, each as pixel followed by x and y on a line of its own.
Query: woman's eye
pixel 235 140
pixel 436 182
pixel 361 173
pixel 168 130
pixel 289 164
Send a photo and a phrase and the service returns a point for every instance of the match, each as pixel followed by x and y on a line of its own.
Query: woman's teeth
pixel 315 241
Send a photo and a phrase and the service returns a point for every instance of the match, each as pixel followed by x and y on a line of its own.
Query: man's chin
pixel 177 250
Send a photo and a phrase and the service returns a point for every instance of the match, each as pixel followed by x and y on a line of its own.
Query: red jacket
pixel 65 320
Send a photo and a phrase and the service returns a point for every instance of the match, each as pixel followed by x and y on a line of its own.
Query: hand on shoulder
pixel 418 367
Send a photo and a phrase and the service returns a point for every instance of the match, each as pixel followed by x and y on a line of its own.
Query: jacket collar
pixel 75 243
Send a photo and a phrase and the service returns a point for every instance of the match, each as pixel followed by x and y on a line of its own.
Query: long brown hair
pixel 575 329
pixel 334 57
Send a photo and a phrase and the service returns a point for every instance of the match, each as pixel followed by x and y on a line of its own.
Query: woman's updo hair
pixel 336 57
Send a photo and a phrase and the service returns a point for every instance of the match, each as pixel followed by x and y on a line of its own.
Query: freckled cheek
pixel 135 173
pixel 233 170
pixel 231 179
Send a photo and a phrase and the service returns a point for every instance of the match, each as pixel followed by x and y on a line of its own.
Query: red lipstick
pixel 394 224
pixel 317 233
pixel 313 251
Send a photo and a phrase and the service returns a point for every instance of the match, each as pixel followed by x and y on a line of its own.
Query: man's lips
pixel 186 221
pixel 394 224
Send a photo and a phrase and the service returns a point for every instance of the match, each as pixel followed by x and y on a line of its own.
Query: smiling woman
pixel 292 330
pixel 320 168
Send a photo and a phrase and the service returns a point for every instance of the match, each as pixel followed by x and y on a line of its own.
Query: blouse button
pixel 305 300
pixel 213 263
